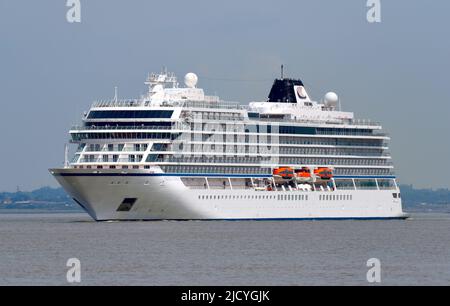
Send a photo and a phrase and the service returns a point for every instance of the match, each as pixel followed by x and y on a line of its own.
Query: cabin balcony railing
pixel 133 149
pixel 208 103
pixel 186 126
pixel 213 103
pixel 259 161
pixel 349 133
pixel 117 103
pixel 351 122
pixel 139 127
pixel 110 160
pixel 114 149
pixel 128 160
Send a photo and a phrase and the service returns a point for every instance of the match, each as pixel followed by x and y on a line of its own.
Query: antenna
pixel 115 94
pixel 282 71
pixel 66 156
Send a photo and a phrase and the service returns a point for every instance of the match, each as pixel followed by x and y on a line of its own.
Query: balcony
pixel 77 128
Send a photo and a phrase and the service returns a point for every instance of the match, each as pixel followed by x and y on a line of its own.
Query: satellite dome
pixel 331 99
pixel 190 80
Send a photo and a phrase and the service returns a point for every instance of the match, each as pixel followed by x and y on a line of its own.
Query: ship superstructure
pixel 176 153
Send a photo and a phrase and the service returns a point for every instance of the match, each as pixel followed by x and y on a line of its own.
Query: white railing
pixel 138 127
pixel 117 103
pixel 209 102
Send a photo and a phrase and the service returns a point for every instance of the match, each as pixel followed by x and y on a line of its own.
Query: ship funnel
pixel 288 91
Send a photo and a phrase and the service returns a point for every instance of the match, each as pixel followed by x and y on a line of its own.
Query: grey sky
pixel 395 72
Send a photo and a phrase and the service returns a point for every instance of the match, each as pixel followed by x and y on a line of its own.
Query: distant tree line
pixel 412 196
pixel 44 194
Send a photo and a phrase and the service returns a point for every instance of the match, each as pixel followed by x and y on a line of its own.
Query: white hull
pixel 167 198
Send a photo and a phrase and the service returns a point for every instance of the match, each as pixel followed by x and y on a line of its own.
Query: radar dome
pixel 190 80
pixel 331 99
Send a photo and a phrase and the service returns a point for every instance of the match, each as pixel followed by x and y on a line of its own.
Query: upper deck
pixel 288 103
pixel 166 105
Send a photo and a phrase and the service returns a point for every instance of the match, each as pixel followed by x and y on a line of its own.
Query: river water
pixel 34 249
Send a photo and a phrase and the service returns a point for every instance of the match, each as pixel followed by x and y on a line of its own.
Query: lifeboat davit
pixel 323 173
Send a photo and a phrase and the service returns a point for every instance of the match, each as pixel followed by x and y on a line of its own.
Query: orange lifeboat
pixel 303 174
pixel 286 173
pixel 323 173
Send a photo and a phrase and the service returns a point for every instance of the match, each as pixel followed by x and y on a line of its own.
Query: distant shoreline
pixel 12 211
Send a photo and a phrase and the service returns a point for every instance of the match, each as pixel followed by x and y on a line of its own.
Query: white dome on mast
pixel 190 79
pixel 331 99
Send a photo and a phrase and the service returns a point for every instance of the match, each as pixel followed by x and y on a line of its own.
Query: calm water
pixel 34 249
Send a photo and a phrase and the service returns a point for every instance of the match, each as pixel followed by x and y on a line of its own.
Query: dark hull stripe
pixel 271 219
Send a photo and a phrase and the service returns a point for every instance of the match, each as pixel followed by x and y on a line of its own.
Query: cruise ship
pixel 176 153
